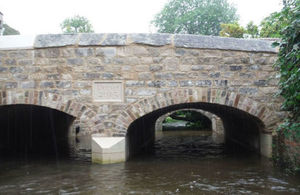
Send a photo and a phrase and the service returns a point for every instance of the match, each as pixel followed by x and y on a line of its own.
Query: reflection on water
pixel 184 163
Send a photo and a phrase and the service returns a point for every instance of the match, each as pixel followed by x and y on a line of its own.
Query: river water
pixel 183 163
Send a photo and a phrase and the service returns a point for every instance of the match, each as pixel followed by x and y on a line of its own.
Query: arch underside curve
pixel 160 120
pixel 81 112
pixel 205 96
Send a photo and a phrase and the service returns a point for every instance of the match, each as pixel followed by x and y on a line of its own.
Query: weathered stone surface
pixel 75 61
pixel 91 75
pixel 151 39
pixel 141 68
pixel 19 54
pixel 180 52
pixel 114 39
pixel 172 83
pixel 179 75
pixel 221 83
pixel 11 85
pixel 20 77
pixel 157 60
pixel 248 90
pixel 3 54
pixel 155 68
pixel 145 92
pixel 10 62
pixel 201 83
pixel 157 84
pixel 106 52
pixel 145 76
pixel 3 69
pixel 135 83
pixel 28 85
pixel 136 51
pixel 214 75
pixel 63 84
pixel 185 41
pixel 146 60
pixel 188 83
pixel 46 84
pixel 212 42
pixel 246 75
pixel 84 52
pixel 197 67
pixel 235 68
pixel 55 40
pixel 107 75
pixel 87 39
pixel 25 62
pixel 260 83
pixel 163 75
pixel 52 53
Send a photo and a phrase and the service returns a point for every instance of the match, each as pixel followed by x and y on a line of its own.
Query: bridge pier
pixel 266 144
pixel 108 150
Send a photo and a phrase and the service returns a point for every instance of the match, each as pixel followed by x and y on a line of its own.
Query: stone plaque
pixel 108 91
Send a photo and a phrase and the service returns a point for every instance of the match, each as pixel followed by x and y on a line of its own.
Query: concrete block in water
pixel 108 150
pixel 266 145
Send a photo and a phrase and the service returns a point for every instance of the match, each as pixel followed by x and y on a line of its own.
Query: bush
pixel 288 64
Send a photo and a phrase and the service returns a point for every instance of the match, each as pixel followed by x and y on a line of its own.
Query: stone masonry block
pixel 55 40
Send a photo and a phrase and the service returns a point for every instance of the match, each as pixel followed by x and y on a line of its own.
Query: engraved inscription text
pixel 108 91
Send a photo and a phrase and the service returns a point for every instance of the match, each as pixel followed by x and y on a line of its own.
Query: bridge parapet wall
pixel 147 64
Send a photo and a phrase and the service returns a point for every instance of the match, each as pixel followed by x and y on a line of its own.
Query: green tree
pixel 272 25
pixel 289 60
pixel 76 24
pixel 195 16
pixel 288 64
pixel 252 30
pixel 9 30
pixel 232 30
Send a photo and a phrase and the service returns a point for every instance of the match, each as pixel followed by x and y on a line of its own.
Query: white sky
pixel 108 16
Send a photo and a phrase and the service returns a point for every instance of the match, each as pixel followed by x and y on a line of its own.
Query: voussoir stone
pixel 55 40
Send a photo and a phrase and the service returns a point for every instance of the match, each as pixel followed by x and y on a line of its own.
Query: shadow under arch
pixel 240 127
pixel 30 129
pixel 238 113
pixel 82 113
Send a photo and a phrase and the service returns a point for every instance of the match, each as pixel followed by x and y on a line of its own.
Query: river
pixel 184 162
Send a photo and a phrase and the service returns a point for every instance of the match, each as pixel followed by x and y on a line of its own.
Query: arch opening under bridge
pixel 245 120
pixel 36 122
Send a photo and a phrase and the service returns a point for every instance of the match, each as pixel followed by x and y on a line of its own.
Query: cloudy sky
pixel 127 16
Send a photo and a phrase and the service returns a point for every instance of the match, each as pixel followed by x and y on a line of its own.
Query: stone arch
pixel 199 95
pixel 216 123
pixel 159 121
pixel 81 112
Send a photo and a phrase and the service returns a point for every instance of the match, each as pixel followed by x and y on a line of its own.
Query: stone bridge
pixel 116 86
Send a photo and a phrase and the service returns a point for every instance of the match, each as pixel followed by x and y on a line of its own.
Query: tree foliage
pixel 252 30
pixel 272 25
pixel 195 16
pixel 9 30
pixel 289 65
pixel 76 24
pixel 195 120
pixel 289 59
pixel 232 30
